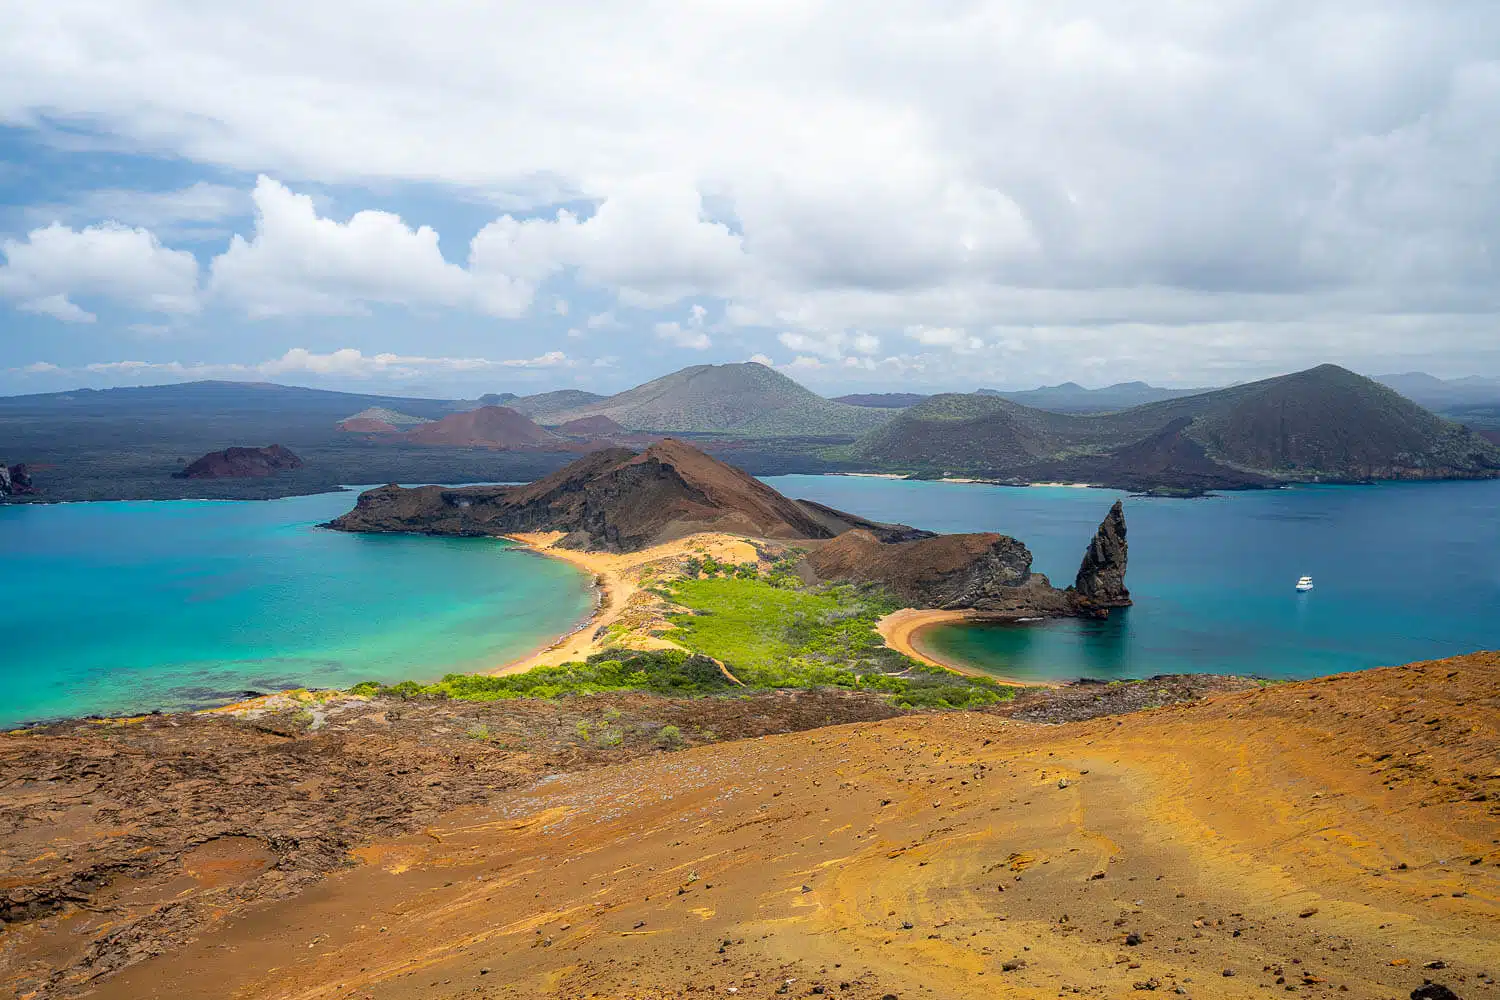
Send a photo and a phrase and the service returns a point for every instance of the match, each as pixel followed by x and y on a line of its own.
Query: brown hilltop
pixel 612 500
pixel 485 427
pixel 239 463
pixel 590 428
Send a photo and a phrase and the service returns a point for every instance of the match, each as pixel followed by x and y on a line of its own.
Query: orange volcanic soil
pixel 1336 837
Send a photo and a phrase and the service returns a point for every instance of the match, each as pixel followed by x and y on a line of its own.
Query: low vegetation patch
pixel 764 626
pixel 664 671
pixel 772 632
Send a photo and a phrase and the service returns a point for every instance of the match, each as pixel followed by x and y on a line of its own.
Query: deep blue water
pixel 130 606
pixel 1403 571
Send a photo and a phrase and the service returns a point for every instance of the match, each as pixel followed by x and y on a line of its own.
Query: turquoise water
pixel 1403 572
pixel 130 606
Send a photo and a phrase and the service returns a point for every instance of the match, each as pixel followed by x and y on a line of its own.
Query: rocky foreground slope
pixel 616 500
pixel 1331 838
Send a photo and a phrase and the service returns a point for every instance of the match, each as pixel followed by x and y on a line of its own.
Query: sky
pixel 451 199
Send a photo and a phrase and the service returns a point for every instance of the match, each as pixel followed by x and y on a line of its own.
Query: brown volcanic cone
pixel 238 463
pixel 592 427
pixel 486 427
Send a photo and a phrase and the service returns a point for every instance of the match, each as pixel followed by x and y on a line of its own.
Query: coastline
pixel 617 582
pixel 899 629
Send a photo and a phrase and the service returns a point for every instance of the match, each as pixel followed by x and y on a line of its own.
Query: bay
pixel 1403 572
pixel 130 606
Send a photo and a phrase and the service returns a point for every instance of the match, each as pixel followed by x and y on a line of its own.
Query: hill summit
pixel 748 399
pixel 485 427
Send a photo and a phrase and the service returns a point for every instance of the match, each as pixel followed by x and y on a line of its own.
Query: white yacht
pixel 1304 583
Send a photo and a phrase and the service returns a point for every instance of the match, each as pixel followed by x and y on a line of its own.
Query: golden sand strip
pixel 899 630
pixel 617 578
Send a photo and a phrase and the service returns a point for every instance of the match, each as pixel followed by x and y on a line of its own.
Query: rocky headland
pixel 619 501
pixel 241 463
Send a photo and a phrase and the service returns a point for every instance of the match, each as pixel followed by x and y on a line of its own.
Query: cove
pixel 1403 572
pixel 128 606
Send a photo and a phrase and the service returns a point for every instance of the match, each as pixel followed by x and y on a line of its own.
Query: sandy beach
pixel 621 601
pixel 900 628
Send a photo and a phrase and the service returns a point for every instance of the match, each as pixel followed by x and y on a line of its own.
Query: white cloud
pixel 804 362
pixel 345 363
pixel 552 359
pixel 602 321
pixel 350 361
pixel 58 307
pixel 184 210
pixel 298 262
pixel 831 345
pixel 1120 173
pixel 560 306
pixel 691 335
pixel 648 241
pixel 944 336
pixel 126 266
pixel 761 359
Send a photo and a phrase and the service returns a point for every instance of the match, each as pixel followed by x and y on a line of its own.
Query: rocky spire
pixel 1101 577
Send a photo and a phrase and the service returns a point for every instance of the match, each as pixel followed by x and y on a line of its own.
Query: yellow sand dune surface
pixel 1337 837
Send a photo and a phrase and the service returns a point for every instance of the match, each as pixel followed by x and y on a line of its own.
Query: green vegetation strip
pixel 767 629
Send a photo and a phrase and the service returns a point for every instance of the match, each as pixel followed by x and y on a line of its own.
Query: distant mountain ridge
pixel 1070 397
pixel 1323 424
pixel 1439 393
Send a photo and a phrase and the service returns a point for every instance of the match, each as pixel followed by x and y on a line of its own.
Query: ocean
pixel 131 606
pixel 1402 572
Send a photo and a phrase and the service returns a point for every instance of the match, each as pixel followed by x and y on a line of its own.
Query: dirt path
pixel 1334 838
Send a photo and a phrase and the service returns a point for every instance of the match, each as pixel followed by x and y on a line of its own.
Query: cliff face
pixel 987 572
pixel 232 463
pixel 15 481
pixel 1101 577
pixel 981 572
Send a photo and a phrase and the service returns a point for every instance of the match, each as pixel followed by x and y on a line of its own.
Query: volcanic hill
pixel 1323 424
pixel 485 427
pixel 543 405
pixel 241 462
pixel 746 399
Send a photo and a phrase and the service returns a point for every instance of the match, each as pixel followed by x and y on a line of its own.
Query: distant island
pixel 1325 424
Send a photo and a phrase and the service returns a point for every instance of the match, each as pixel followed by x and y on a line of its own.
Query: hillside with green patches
pixel 1323 424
